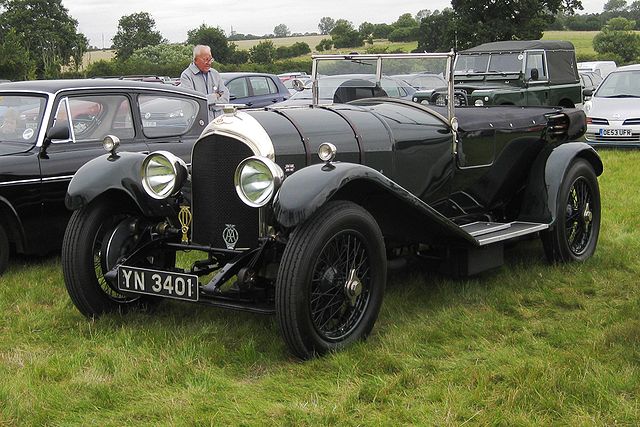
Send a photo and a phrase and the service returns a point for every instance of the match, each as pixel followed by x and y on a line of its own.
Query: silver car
pixel 613 112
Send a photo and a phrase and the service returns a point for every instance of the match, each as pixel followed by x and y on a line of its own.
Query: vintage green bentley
pixel 297 210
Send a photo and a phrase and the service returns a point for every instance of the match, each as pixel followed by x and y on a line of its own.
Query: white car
pixel 613 112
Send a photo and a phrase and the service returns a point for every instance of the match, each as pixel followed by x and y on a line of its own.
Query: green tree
pixel 437 32
pixel 135 31
pixel 46 33
pixel 617 41
pixel 213 37
pixel 615 6
pixel 405 20
pixel 326 25
pixel 344 35
pixel 325 44
pixel 481 21
pixel 366 29
pixel 281 30
pixel 263 53
pixel 14 64
pixel 422 14
pixel 382 31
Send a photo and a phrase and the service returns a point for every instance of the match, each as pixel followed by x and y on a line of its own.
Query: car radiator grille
pixel 217 209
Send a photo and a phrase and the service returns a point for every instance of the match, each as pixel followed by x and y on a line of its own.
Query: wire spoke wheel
pixel 331 280
pixel 340 286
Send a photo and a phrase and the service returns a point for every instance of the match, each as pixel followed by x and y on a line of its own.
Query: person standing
pixel 200 77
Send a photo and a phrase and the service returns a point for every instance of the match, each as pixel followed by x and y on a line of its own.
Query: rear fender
pixel 108 173
pixel 399 213
pixel 543 189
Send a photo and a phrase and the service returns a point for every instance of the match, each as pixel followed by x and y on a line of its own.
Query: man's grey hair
pixel 199 49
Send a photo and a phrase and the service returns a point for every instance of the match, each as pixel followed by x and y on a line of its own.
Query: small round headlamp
pixel 257 179
pixel 110 143
pixel 327 151
pixel 163 174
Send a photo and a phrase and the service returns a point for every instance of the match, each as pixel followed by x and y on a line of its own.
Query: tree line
pixel 39 39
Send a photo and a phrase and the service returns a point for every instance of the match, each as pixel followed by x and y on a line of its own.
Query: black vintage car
pixel 48 129
pixel 297 210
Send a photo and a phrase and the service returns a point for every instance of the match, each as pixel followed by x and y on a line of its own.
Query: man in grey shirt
pixel 201 77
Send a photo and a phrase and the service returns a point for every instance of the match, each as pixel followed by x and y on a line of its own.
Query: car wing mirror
pixel 534 74
pixel 298 85
pixel 587 93
pixel 58 131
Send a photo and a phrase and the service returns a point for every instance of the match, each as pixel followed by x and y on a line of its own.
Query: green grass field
pixel 527 344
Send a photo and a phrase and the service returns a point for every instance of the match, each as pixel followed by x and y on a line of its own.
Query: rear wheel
pixel 97 237
pixel 574 235
pixel 331 280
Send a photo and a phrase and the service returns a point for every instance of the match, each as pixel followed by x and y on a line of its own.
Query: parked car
pixel 524 72
pixel 293 75
pixel 589 80
pixel 348 87
pixel 613 111
pixel 308 237
pixel 254 89
pixel 603 68
pixel 51 128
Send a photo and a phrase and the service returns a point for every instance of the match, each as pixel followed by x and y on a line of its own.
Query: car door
pixel 264 91
pixel 89 118
pixel 538 87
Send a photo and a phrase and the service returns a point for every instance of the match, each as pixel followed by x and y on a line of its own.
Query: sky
pixel 98 19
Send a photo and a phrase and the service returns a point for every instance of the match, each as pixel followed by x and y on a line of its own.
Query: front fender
pixel 399 213
pixel 543 189
pixel 107 173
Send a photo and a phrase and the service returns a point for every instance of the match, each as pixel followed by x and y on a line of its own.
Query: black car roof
pixel 518 45
pixel 53 86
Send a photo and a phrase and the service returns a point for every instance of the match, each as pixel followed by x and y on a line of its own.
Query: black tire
pixel 4 250
pixel 85 258
pixel 313 274
pixel 574 235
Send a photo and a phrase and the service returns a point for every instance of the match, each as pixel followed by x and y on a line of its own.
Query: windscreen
pixel 21 117
pixel 620 84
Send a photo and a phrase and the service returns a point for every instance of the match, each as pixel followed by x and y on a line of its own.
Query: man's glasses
pixel 207 60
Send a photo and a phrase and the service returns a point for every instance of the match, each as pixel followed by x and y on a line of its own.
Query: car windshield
pixel 344 78
pixel 620 84
pixel 509 62
pixel 21 117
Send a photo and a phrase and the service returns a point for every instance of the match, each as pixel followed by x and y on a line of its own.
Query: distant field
pixel 582 40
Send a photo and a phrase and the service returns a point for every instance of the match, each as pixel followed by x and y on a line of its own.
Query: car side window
pixel 260 85
pixel 238 88
pixel 165 115
pixel 535 60
pixel 94 117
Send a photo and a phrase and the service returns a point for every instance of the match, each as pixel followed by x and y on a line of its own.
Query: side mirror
pixel 298 85
pixel 59 131
pixel 587 92
pixel 534 74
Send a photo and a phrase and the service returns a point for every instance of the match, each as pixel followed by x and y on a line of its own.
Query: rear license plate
pixel 158 283
pixel 615 132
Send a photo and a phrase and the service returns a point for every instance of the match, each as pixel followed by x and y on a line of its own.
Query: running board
pixel 486 233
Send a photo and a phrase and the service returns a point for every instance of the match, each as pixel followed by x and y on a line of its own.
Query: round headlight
pixel 163 174
pixel 257 179
pixel 110 143
pixel 327 151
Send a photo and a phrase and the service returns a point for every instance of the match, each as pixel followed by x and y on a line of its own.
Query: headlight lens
pixel 163 174
pixel 257 179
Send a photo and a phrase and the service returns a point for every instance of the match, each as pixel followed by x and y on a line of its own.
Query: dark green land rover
pixel 523 72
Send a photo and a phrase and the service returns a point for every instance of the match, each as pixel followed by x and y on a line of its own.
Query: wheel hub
pixel 587 215
pixel 353 287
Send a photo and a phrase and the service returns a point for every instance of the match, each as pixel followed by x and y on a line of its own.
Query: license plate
pixel 158 283
pixel 615 132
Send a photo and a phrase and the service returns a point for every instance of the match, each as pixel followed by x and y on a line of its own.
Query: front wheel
pixel 574 235
pixel 97 237
pixel 331 280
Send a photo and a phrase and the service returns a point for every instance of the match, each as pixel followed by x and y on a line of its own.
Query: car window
pixel 535 60
pixel 238 87
pixel 164 115
pixel 272 86
pixel 260 85
pixel 391 88
pixel 505 62
pixel 96 116
pixel 471 63
pixel 21 117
